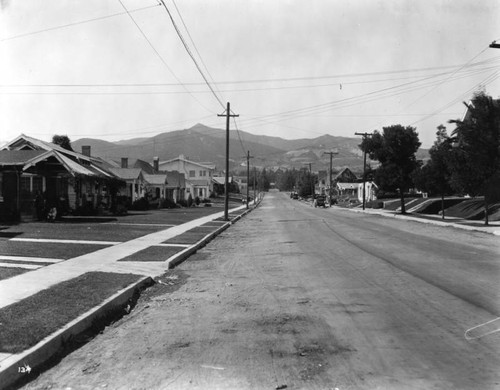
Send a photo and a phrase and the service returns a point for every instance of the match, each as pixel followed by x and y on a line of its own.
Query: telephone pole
pixel 364 135
pixel 228 115
pixel 248 177
pixel 330 190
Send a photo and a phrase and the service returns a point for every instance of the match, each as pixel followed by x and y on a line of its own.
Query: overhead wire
pixel 75 23
pixel 188 50
pixel 160 56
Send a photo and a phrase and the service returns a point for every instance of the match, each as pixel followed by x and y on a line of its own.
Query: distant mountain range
pixel 205 144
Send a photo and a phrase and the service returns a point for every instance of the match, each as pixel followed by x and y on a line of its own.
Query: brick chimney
pixel 124 162
pixel 156 164
pixel 86 150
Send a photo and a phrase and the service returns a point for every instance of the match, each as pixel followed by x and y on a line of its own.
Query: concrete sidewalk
pixel 21 286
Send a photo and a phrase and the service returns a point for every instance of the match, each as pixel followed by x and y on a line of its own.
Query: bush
pixel 182 203
pixel 140 204
pixel 190 201
pixel 166 203
pixel 197 201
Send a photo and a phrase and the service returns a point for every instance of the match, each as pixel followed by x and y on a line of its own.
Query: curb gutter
pixel 48 347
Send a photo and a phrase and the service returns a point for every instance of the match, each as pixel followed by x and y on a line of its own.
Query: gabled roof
pixel 18 157
pixel 126 173
pixel 24 141
pixel 219 180
pixel 206 165
pixel 198 183
pixel 157 179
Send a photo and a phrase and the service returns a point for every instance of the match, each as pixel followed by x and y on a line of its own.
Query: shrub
pixel 197 201
pixel 190 201
pixel 166 203
pixel 140 204
pixel 182 203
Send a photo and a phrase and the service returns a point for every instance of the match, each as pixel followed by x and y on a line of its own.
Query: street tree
pixel 434 176
pixel 63 141
pixel 474 161
pixel 395 149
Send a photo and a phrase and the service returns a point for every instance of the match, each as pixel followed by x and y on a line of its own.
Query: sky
pixel 118 69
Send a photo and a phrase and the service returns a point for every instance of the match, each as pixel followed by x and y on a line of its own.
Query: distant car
pixel 320 201
pixel 294 195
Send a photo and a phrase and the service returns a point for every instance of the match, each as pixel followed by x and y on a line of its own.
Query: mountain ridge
pixel 202 143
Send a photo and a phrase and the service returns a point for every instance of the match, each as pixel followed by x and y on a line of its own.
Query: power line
pixel 159 55
pixel 191 54
pixel 252 81
pixel 194 45
pixel 75 23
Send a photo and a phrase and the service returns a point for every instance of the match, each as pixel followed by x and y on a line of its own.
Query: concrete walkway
pixel 22 286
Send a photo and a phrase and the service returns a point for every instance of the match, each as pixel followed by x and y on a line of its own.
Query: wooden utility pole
pixel 330 190
pixel 228 115
pixel 254 184
pixel 364 135
pixel 248 177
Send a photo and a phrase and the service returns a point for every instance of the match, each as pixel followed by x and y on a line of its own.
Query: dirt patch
pixel 167 283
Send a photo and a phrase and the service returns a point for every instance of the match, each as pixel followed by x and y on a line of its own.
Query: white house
pixel 198 176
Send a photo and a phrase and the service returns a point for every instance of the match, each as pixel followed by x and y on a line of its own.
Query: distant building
pixel 198 176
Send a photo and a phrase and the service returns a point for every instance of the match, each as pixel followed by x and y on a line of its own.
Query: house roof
pixel 219 180
pixel 23 139
pixel 347 186
pixel 18 157
pixel 206 165
pixel 157 179
pixel 175 179
pixel 126 173
pixel 198 183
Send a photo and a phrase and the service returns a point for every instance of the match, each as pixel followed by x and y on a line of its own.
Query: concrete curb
pixel 48 347
pixel 427 221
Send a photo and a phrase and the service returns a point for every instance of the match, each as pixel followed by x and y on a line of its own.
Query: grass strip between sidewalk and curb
pixel 6 273
pixel 27 322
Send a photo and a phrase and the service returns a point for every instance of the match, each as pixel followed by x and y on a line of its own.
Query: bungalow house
pixel 33 169
pixel 176 186
pixel 345 177
pixel 198 176
pixel 133 183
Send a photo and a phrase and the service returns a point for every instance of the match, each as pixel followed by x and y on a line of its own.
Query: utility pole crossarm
pixel 495 45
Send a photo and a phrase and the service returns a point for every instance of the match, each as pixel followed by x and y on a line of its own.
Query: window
pixel 192 173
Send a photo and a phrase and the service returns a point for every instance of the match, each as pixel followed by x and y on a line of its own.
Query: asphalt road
pixel 309 298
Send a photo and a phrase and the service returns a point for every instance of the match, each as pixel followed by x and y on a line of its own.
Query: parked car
pixel 294 195
pixel 320 201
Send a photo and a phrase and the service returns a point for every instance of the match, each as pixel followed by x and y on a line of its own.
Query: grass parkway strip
pixel 27 322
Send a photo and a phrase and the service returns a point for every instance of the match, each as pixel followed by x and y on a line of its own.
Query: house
pixel 198 176
pixel 156 186
pixel 176 186
pixel 344 176
pixel 33 169
pixel 242 183
pixel 134 183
